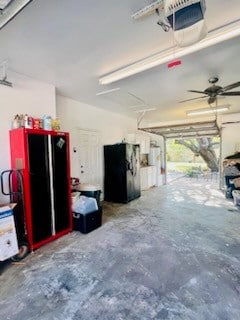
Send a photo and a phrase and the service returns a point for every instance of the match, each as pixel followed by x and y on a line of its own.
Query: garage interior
pixel 115 74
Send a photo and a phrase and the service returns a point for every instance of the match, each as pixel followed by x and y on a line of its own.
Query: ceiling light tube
pixel 214 37
pixel 207 110
pixel 11 10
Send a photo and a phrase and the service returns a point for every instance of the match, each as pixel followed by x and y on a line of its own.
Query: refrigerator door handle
pixel 127 165
pixel 131 167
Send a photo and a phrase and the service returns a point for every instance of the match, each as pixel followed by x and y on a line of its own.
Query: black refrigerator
pixel 121 172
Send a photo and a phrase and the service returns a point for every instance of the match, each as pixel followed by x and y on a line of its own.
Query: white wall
pixel 26 96
pixel 73 115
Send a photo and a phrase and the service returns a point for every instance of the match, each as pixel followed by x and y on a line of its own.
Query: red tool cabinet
pixel 43 158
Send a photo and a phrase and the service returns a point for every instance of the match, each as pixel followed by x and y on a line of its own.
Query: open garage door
pixel 185 131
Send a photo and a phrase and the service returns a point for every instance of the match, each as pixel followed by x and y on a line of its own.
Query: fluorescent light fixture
pixel 107 91
pixel 214 37
pixel 207 110
pixel 9 9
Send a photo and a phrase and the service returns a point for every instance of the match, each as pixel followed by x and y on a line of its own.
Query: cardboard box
pixel 8 236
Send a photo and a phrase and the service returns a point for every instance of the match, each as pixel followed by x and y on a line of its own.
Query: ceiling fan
pixel 214 91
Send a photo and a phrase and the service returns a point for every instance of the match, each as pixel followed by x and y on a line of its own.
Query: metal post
pixel 164 161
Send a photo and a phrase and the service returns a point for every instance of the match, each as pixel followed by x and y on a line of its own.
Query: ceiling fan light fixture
pixel 207 110
pixel 213 80
pixel 214 91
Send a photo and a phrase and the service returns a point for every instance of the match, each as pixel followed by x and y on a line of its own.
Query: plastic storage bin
pixel 90 190
pixel 87 222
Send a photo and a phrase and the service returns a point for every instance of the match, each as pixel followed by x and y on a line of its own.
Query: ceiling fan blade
pixel 231 86
pixel 196 91
pixel 233 93
pixel 193 99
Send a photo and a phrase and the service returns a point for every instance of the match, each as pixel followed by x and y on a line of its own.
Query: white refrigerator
pixel 154 159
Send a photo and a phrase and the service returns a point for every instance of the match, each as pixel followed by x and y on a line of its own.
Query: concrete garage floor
pixel 172 254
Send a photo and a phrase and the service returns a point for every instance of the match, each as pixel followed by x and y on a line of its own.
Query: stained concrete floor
pixel 174 254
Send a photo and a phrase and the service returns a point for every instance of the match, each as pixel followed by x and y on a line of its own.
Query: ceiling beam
pixel 192 136
pixel 172 131
pixel 188 124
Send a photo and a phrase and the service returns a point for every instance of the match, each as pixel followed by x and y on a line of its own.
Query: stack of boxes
pixel 231 175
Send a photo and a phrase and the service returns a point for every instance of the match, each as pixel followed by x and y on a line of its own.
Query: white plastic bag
pixel 85 205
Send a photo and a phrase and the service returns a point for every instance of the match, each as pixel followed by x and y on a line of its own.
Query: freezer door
pixel 39 187
pixel 122 172
pixel 60 182
pixel 137 187
pixel 131 171
pixel 115 168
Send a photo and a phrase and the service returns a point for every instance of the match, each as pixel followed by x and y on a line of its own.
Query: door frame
pixel 100 151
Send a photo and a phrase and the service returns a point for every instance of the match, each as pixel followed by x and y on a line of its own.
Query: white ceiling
pixel 72 43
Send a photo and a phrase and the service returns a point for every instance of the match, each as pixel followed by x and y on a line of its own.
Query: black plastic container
pixel 87 222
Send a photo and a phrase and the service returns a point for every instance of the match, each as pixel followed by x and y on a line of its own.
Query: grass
pixel 186 167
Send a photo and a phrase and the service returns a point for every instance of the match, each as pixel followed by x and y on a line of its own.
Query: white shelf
pixel 148 177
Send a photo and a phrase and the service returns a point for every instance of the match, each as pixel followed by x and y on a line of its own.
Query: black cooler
pixel 88 221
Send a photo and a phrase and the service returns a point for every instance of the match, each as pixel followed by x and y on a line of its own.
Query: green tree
pixel 203 147
pixel 177 152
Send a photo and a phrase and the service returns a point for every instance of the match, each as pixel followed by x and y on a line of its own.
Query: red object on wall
pixel 43 158
pixel 174 63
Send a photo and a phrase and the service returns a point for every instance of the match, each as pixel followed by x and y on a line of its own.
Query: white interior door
pixel 89 156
